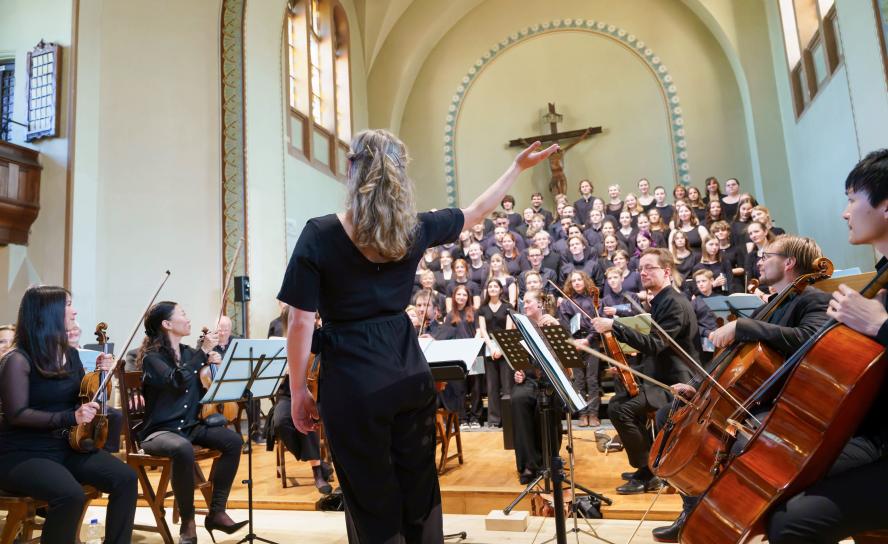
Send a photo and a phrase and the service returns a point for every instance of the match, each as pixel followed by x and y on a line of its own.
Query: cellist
pixel 789 326
pixel 852 497
pixel 676 316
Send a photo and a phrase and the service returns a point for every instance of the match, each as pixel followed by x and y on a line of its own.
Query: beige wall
pixel 710 99
pixel 147 180
pixel 23 24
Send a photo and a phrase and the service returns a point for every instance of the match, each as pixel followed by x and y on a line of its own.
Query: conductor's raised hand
pixel 533 155
pixel 304 411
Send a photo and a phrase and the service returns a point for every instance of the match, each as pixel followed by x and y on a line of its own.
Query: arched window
pixel 813 50
pixel 319 83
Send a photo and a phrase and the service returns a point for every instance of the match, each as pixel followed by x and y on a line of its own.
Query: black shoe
pixel 327 471
pixel 211 526
pixel 670 533
pixel 634 487
pixel 526 477
pixel 629 475
pixel 320 482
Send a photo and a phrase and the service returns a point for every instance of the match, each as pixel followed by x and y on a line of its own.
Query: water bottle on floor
pixel 94 533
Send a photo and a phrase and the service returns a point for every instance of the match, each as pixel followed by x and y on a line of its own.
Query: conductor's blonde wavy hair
pixel 380 200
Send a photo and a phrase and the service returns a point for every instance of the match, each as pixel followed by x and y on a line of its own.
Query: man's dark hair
pixel 498 215
pixel 870 176
pixel 508 198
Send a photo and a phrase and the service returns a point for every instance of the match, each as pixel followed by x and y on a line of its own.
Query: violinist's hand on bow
pixel 304 411
pixel 210 340
pixel 532 156
pixel 603 324
pixel 684 390
pixel 214 358
pixel 86 412
pixel 105 362
pixel 864 315
pixel 724 335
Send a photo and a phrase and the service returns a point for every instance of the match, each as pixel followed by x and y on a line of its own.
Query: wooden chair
pixel 280 453
pixel 131 404
pixel 447 424
pixel 21 514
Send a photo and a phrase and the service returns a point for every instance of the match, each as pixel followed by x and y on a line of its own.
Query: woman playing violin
pixel 172 390
pixel 39 388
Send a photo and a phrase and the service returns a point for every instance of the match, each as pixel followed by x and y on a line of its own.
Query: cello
pixel 684 450
pixel 817 399
pixel 609 343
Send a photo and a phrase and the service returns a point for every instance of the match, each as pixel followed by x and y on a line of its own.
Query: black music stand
pixel 529 347
pixel 250 369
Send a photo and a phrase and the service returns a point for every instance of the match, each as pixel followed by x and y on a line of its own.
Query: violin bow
pixel 166 276
pixel 671 341
pixel 227 285
pixel 426 312
pixel 627 368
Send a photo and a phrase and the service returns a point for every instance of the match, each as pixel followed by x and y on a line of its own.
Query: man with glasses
pixel 852 497
pixel 675 315
pixel 787 328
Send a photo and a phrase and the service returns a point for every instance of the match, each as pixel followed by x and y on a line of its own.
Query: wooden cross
pixel 558 183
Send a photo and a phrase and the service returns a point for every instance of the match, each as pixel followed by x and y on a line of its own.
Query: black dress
pixel 498 373
pixel 36 460
pixel 377 397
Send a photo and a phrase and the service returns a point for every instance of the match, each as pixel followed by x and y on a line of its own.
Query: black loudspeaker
pixel 241 288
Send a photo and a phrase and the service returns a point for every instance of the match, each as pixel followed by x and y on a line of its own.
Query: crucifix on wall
pixel 558 182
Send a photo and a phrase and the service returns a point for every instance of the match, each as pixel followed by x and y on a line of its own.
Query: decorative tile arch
pixel 681 170
pixel 234 153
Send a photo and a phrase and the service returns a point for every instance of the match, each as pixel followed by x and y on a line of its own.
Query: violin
pixel 817 399
pixel 229 410
pixel 89 437
pixel 685 449
pixel 609 343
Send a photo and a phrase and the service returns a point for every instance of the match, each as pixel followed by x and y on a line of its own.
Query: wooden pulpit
pixel 19 192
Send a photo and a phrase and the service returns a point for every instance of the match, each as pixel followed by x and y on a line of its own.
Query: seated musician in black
pixel 525 414
pixel 674 313
pixel 789 326
pixel 304 447
pixel 39 390
pixel 853 496
pixel 172 390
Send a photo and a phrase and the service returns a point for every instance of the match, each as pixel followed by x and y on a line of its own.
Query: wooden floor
pixel 487 481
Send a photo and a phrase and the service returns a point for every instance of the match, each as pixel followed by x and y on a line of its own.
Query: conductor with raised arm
pixel 377 396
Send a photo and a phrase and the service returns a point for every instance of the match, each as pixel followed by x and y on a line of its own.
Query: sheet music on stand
pixel 551 349
pixel 255 365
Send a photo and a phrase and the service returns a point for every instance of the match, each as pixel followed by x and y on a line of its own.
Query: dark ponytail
pixel 156 339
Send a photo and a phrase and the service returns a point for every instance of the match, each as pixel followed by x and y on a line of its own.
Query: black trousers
pixel 500 377
pixel 179 448
pixel 377 401
pixel 629 417
pixel 585 381
pixel 57 477
pixel 851 499
pixel 475 411
pixel 305 447
pixel 527 426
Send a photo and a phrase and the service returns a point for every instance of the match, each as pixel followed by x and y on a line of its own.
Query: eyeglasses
pixel 767 255
pixel 648 269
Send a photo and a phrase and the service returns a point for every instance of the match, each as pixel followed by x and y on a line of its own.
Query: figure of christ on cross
pixel 558 181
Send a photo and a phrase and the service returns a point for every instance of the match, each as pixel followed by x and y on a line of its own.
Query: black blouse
pixel 35 407
pixel 172 391
pixel 495 321
pixel 328 273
